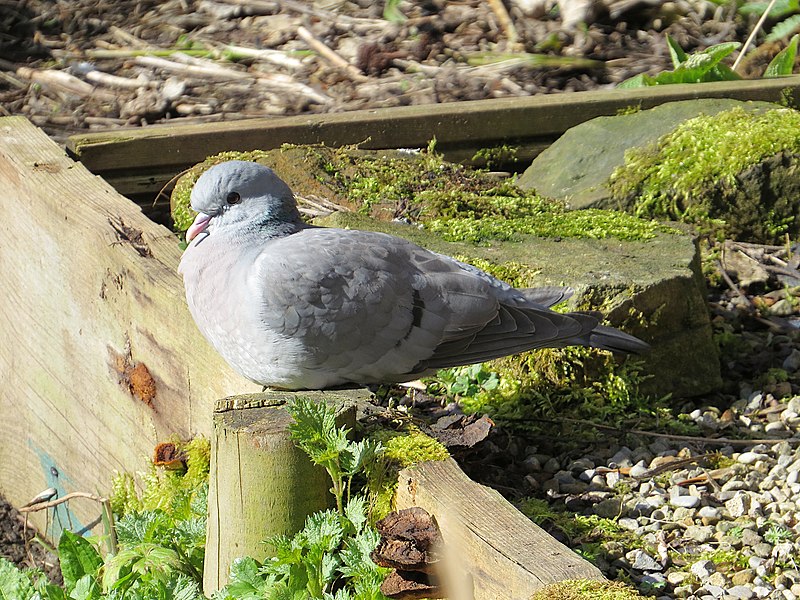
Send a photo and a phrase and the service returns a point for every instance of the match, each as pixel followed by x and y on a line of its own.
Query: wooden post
pixel 506 556
pixel 261 484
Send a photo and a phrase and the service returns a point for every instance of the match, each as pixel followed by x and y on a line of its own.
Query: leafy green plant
pixel 466 381
pixel 777 10
pixel 329 559
pixel 778 533
pixel 706 65
pixel 702 66
pixel 14 583
pixel 316 433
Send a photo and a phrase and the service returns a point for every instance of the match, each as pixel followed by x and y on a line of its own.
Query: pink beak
pixel 199 225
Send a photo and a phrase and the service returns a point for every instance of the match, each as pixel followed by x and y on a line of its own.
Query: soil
pixel 182 61
pixel 18 544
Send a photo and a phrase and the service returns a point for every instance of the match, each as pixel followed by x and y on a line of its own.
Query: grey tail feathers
pixel 608 338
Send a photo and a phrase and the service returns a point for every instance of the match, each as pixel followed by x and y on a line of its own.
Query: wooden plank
pixel 134 160
pixel 88 292
pixel 505 554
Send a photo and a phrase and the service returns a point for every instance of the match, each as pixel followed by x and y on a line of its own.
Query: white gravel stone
pixel 748 458
pixel 738 505
pixel 622 458
pixel 677 577
pixel 642 561
pixel 762 591
pixel 638 469
pixel 740 591
pixel 684 501
pixel 702 569
pixel 710 514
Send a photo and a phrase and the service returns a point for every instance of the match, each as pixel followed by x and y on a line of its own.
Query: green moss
pixel 693 173
pixel 458 203
pixel 512 272
pixel 406 450
pixel 586 589
pixel 497 156
pixel 401 450
pixel 589 223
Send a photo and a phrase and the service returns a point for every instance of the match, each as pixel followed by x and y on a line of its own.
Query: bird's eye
pixel 234 198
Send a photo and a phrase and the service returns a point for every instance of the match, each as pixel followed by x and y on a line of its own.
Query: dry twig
pixel 329 55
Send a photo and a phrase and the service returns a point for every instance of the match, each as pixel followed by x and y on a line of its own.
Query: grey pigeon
pixel 294 306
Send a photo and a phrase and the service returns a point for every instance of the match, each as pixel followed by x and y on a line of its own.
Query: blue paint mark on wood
pixel 59 517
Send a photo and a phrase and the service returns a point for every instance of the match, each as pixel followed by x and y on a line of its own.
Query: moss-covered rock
pixel 652 288
pixel 642 275
pixel 722 164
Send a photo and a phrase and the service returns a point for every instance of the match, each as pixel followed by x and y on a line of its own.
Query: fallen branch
pixel 64 82
pixel 329 55
pixel 98 77
pixel 51 503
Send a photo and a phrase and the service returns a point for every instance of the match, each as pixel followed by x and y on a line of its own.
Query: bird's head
pixel 239 196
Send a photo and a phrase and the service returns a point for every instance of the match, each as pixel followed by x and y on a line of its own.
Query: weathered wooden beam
pixel 136 160
pixel 261 484
pixel 506 556
pixel 99 357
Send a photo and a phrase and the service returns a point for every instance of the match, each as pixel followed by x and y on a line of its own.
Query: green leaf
pixel 780 9
pixel 49 591
pixel 357 455
pixel 14 584
pixel 78 557
pixel 323 530
pixel 392 13
pixel 676 52
pixel 722 72
pixel 143 561
pixel 356 512
pixel 783 63
pixel 637 81
pixel 86 588
pixel 784 29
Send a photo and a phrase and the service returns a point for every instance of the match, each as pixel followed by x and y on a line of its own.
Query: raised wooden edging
pixel 142 160
pixel 505 555
pixel 261 485
pixel 99 356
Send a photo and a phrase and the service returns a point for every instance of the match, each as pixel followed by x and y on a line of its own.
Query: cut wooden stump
pixel 261 484
pixel 142 160
pixel 505 555
pixel 99 357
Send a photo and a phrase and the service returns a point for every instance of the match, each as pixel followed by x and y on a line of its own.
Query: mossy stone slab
pixel 577 166
pixel 652 288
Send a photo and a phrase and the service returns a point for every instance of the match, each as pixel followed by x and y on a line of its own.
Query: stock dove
pixel 294 306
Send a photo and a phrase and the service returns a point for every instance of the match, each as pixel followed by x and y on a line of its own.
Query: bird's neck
pixel 269 228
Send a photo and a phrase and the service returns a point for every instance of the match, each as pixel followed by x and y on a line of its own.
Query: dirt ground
pixel 94 64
